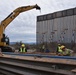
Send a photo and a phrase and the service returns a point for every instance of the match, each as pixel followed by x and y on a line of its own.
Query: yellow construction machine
pixel 4 41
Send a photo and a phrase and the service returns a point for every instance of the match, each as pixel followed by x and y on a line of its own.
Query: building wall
pixel 57 27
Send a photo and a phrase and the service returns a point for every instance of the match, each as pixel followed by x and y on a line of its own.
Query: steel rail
pixel 30 67
pixel 6 72
pixel 41 55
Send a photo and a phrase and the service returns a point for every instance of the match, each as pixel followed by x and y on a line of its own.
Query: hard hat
pixel 23 45
pixel 62 47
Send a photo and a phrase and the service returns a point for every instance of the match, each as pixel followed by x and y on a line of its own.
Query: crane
pixel 4 41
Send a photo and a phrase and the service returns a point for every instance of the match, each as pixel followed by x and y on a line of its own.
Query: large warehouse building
pixel 57 27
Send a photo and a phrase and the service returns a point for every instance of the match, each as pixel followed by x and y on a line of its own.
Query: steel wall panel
pixel 45 31
pixel 64 33
pixel 70 28
pixel 50 24
pixel 58 29
pixel 38 32
pixel 75 27
pixel 55 29
pixel 48 31
pixel 61 29
pixel 51 28
pixel 41 31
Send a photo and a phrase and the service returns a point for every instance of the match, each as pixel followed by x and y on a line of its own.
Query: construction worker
pixel 23 49
pixel 43 48
pixel 58 48
pixel 60 51
pixel 65 51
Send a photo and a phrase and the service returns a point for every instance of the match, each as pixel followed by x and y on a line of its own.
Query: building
pixel 57 27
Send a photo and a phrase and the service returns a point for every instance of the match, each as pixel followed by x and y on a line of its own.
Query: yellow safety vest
pixel 59 50
pixel 67 52
pixel 22 49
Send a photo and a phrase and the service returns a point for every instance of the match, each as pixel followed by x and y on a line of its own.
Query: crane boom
pixel 11 17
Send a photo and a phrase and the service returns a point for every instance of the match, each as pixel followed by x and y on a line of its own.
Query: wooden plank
pixel 74 70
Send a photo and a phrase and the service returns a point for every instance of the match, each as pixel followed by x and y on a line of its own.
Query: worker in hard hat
pixel 65 51
pixel 22 48
pixel 43 48
pixel 60 51
pixel 58 48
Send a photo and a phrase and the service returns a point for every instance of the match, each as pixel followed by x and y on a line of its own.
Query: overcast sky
pixel 23 28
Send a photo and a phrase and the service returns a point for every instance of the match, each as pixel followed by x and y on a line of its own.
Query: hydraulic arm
pixel 10 18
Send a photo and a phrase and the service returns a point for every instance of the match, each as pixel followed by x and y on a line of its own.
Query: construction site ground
pixel 57 66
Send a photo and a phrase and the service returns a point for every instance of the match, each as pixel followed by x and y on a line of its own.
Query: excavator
pixel 4 40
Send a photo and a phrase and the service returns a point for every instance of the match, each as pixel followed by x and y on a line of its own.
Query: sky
pixel 23 27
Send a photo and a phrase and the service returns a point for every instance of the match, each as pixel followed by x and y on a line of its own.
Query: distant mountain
pixel 12 43
pixel 31 43
pixel 24 43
